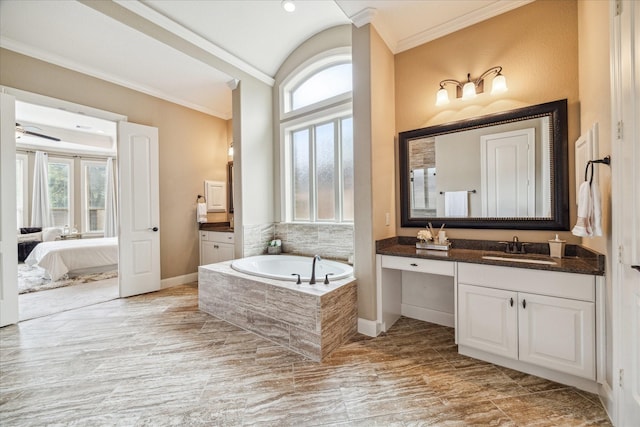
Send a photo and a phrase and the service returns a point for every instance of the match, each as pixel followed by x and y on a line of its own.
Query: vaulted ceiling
pixel 185 51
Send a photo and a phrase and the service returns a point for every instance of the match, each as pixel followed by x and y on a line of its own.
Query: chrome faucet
pixel 313 269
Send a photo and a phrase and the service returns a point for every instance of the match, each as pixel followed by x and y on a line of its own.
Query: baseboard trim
pixel 370 328
pixel 427 315
pixel 178 280
pixel 606 398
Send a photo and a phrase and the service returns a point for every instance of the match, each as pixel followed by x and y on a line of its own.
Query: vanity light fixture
pixel 470 88
pixel 230 151
pixel 288 5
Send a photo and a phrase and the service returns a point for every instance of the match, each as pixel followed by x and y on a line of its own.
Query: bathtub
pixel 282 267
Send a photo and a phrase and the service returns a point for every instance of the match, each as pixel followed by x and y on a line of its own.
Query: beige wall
pixel 536 44
pixel 595 107
pixel 193 146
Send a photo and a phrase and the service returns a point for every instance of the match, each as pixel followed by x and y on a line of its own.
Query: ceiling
pixel 148 45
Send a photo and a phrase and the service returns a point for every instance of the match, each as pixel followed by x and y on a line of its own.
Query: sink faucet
pixel 515 246
pixel 313 269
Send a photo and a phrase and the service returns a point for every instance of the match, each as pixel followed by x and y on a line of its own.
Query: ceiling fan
pixel 20 130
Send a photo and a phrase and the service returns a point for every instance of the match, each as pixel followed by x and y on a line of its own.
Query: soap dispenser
pixel 556 247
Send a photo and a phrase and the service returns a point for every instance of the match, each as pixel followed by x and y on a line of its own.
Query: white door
pixel 507 167
pixel 8 222
pixel 488 320
pixel 139 216
pixel 625 59
pixel 557 333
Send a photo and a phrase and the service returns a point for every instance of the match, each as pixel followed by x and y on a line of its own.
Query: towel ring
pixel 200 197
pixel 606 160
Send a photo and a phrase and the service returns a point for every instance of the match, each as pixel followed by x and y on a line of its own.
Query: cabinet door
pixel 488 319
pixel 557 333
pixel 208 252
pixel 225 252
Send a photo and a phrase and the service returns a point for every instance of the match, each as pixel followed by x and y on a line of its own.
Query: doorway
pixel 137 236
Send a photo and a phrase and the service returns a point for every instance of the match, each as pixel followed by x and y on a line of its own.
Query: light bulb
pixel 288 5
pixel 443 97
pixel 469 90
pixel 499 85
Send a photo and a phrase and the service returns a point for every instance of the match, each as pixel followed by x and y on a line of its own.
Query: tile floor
pixel 155 360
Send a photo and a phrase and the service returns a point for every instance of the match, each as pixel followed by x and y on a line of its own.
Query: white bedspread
pixel 62 256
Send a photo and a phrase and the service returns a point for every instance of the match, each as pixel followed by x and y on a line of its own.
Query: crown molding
pixel 456 24
pixel 45 56
pixel 364 17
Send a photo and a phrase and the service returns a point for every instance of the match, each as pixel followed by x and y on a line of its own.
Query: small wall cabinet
pixel 542 318
pixel 216 247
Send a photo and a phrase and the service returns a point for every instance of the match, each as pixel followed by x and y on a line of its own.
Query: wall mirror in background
pixel 506 170
pixel 230 186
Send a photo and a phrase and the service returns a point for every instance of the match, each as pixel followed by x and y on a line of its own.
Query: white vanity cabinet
pixel 216 246
pixel 539 317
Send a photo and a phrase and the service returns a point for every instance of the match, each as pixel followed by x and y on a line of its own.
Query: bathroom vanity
pixel 216 243
pixel 536 314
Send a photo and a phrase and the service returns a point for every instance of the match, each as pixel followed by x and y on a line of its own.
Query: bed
pixel 60 257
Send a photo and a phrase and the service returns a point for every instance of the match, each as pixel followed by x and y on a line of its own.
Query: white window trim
pixel 84 208
pixel 70 162
pixel 302 72
pixel 25 187
pixel 286 184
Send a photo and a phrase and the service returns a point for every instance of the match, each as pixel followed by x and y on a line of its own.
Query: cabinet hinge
pixel 620 129
pixel 620 377
pixel 618 7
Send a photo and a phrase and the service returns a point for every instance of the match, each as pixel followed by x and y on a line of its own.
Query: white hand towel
pixel 596 221
pixel 584 225
pixel 456 203
pixel 202 212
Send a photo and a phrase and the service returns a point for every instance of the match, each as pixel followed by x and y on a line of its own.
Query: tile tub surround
pixel 331 241
pixel 309 320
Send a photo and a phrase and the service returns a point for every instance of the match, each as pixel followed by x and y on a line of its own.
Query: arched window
pixel 324 84
pixel 316 124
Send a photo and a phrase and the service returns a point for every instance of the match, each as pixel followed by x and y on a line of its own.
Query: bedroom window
pixel 316 125
pixel 93 186
pixel 60 173
pixel 22 190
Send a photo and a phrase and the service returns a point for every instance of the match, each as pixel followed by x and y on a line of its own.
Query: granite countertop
pixel 224 227
pixel 577 259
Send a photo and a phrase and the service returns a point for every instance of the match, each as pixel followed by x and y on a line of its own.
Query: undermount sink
pixel 520 259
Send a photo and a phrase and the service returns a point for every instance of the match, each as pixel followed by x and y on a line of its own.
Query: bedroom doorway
pixel 79 290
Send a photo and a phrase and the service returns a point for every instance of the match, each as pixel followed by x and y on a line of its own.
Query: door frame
pixel 624 18
pixel 34 98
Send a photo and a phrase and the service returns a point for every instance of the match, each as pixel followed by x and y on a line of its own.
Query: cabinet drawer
pixel 220 237
pixel 552 283
pixel 444 268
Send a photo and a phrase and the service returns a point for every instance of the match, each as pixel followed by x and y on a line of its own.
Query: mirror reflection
pixel 500 171
pixel 480 173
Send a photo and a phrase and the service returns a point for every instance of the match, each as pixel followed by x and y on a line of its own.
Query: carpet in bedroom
pixel 32 279
pixel 52 301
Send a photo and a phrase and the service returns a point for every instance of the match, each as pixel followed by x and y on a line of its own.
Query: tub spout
pixel 313 269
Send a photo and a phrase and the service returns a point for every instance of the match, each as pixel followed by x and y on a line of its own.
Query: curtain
pixel 110 208
pixel 40 207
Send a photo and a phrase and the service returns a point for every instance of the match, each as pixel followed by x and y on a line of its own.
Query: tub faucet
pixel 313 269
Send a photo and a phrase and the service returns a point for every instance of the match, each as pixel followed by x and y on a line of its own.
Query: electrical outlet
pixel 386 219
